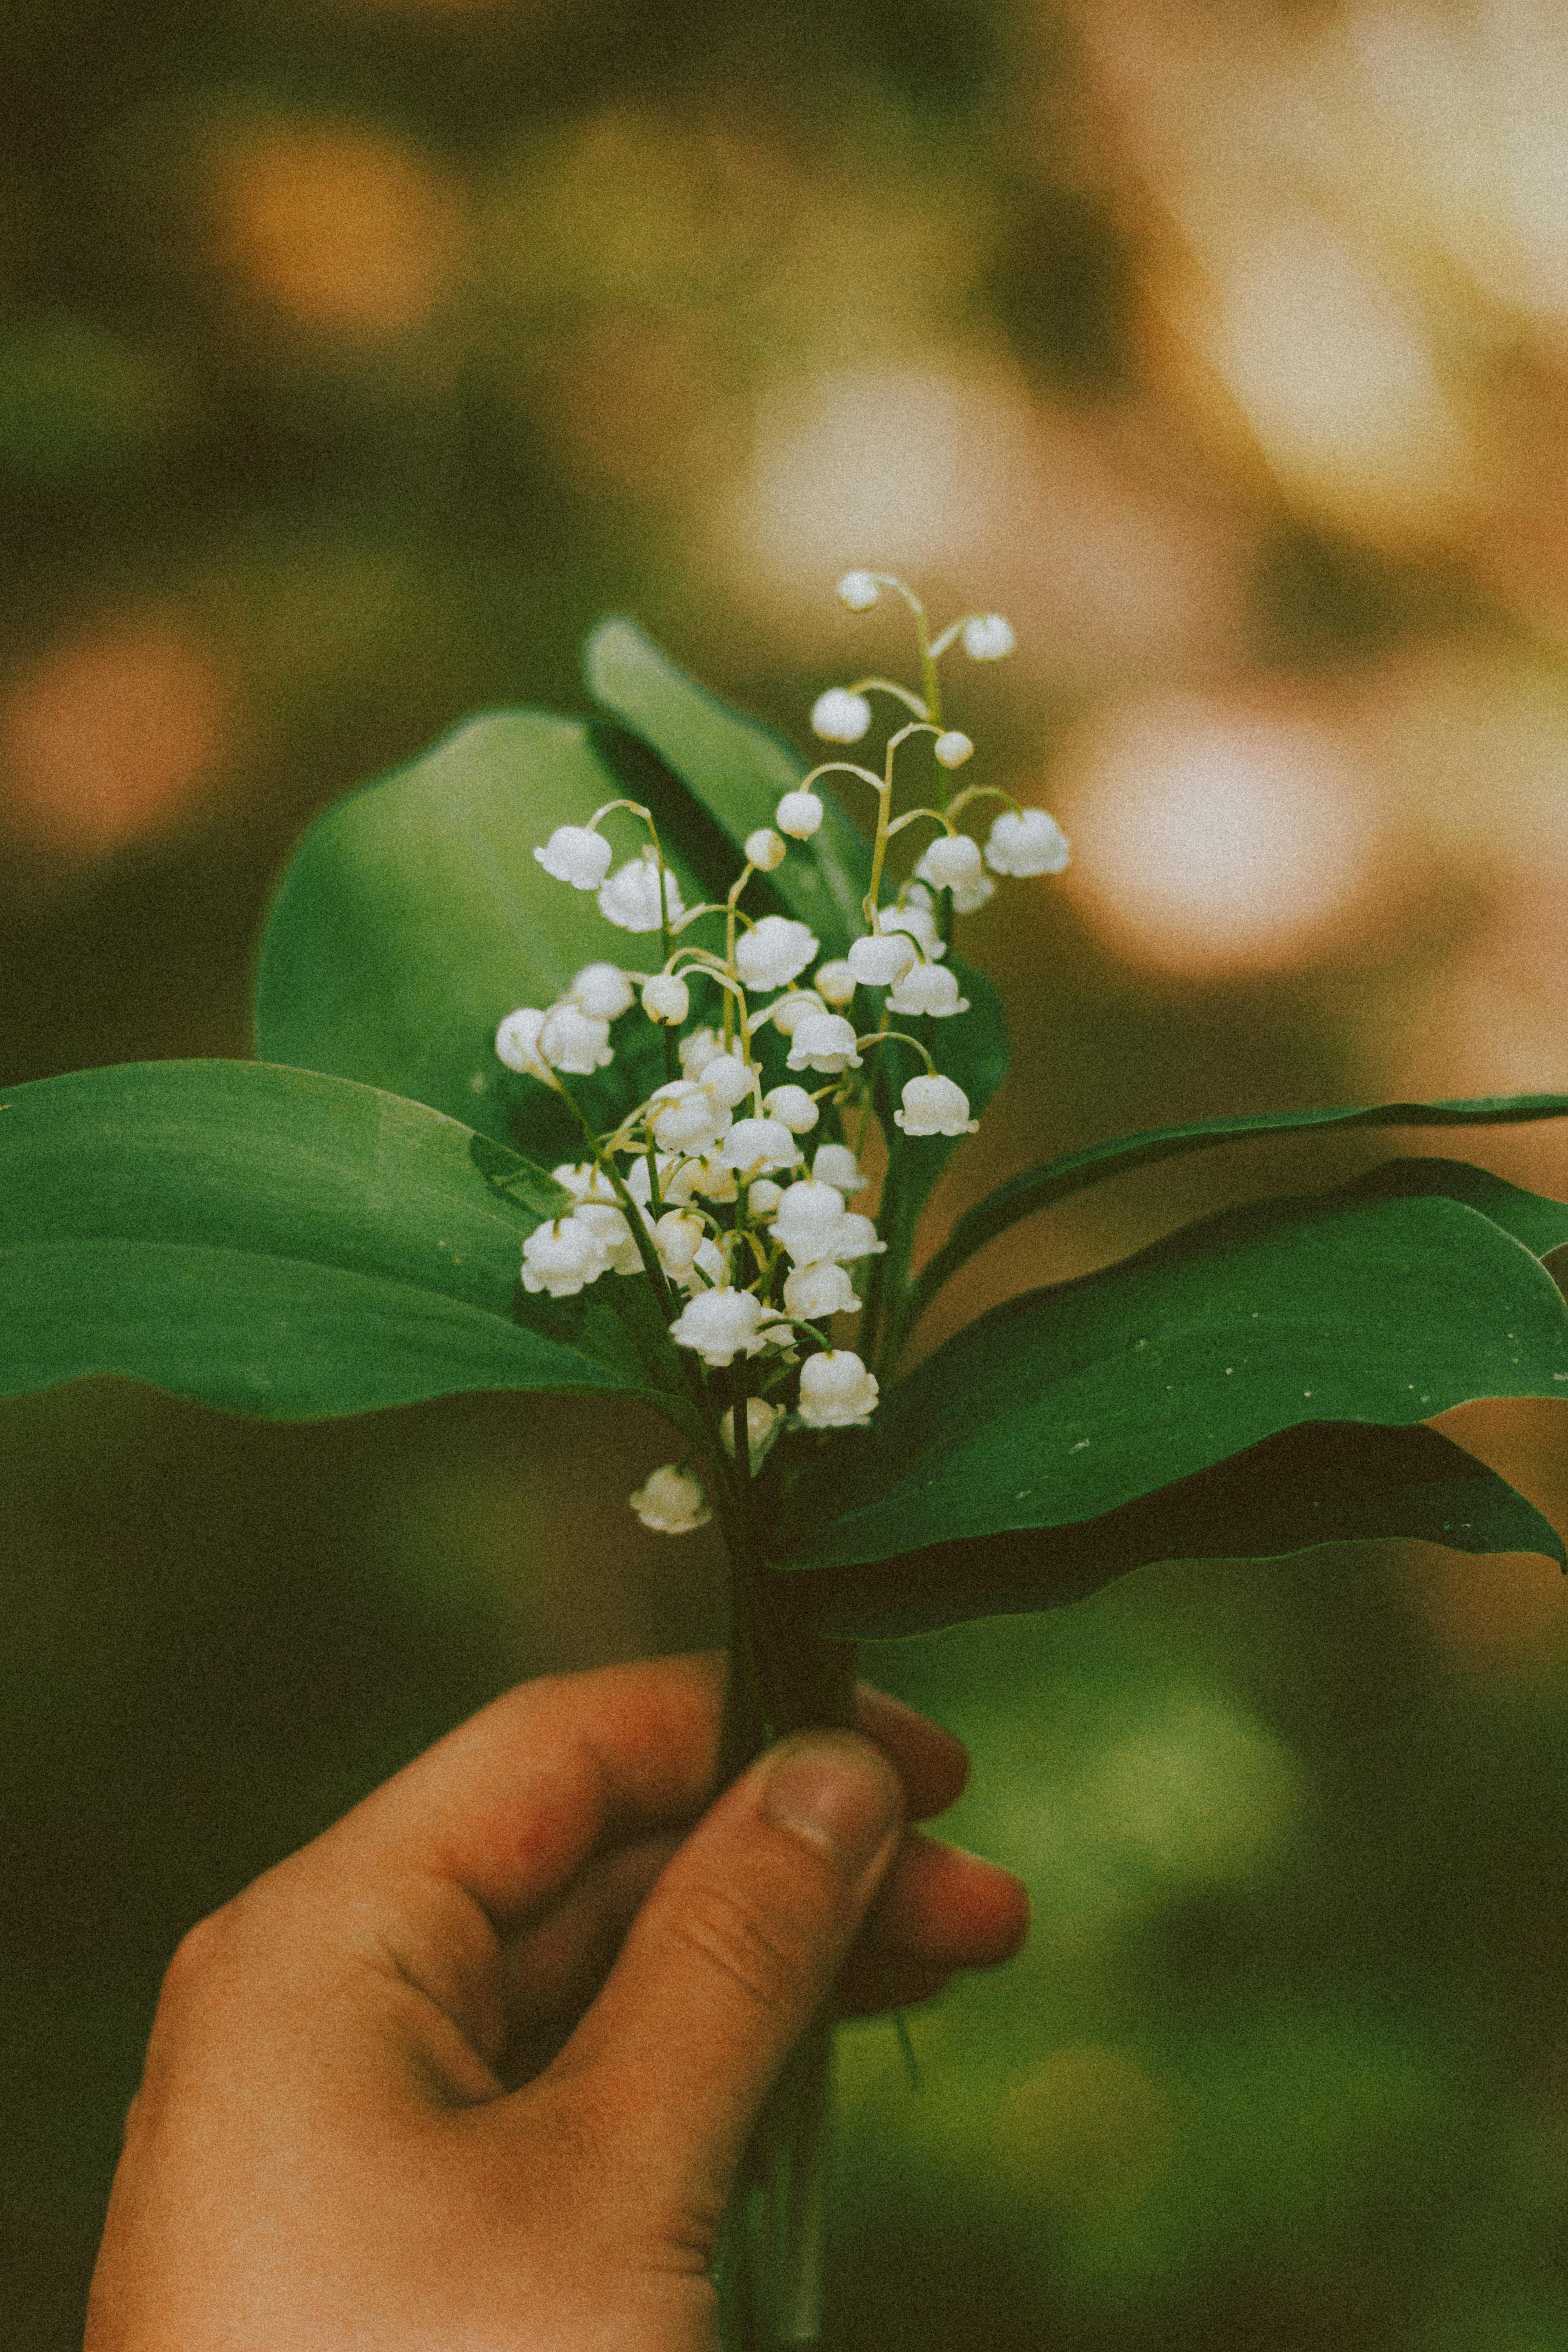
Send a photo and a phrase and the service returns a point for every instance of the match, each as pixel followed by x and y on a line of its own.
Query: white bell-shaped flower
pixel 1029 842
pixel 837 1391
pixel 823 1041
pixel 799 815
pixel 572 1042
pixel 968 898
pixel 815 1291
pixel 613 1230
pixel 517 1042
pixel 810 1221
pixel 837 1165
pixel 952 748
pixel 858 591
pixel 706 1271
pixel 764 1422
pixel 587 1181
pixel 666 1000
pixel 840 716
pixel 678 1238
pixel 727 1078
pixel 603 992
pixel 786 1012
pixel 928 989
pixel 986 636
pixel 950 861
pixel 671 1501
pixel 757 1147
pixel 764 849
pixel 915 918
pixel 629 899
pixel 684 1116
pixel 834 982
pixel 856 1237
pixel 563 1257
pixel 708 1179
pixel 793 1105
pixel 698 1050
pixel 934 1106
pixel 764 1196
pixel 880 957
pixel 773 952
pixel 724 1323
pixel 574 855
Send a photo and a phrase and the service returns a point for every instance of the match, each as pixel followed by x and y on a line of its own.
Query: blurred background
pixel 354 356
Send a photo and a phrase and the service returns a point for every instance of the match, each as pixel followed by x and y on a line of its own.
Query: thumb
pixel 736 1946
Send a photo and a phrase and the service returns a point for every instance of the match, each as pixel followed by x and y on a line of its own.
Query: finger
pixel 939 1902
pixel 874 1982
pixel 736 1946
pixel 932 1764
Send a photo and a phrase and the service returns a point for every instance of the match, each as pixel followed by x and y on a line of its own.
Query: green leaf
pixel 415 916
pixel 738 769
pixel 1385 1302
pixel 1056 1179
pixel 1324 1482
pixel 268 1240
pixel 518 1179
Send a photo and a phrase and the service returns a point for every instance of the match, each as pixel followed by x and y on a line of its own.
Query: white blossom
pixel 684 1116
pixel 764 1196
pixel 823 1041
pixel 799 815
pixel 880 957
pixel 708 1177
pixel 706 1271
pixel 793 1105
pixel 610 1224
pixel 952 748
pixel 1028 843
pixel 934 1106
pixel 587 1181
pixel 837 1165
pixel 601 991
pixel 666 999
pixel 986 636
pixel 837 1391
pixel 671 1501
pixel 764 849
pixel 629 899
pixel 638 1182
pixel 840 716
pixel 517 1040
pixel 724 1323
pixel 813 1292
pixel 968 898
pixel 950 861
pixel 727 1079
pixel 916 917
pixel 773 952
pixel 858 591
pixel 834 982
pixel 698 1050
pixel 573 854
pixel 786 1012
pixel 678 1238
pixel 569 1041
pixel 758 1146
pixel 810 1221
pixel 763 1422
pixel 563 1257
pixel 855 1237
pixel 931 989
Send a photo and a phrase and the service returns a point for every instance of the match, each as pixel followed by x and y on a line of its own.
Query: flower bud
pixel 601 991
pixel 678 1239
pixel 563 1257
pixel 930 989
pixel 666 999
pixel 684 1116
pixel 915 918
pixel 573 854
pixel 858 591
pixel 727 1079
pixel 764 849
pixel 968 898
pixel 620 1247
pixel 951 859
pixel 671 1501
pixel 840 716
pixel 809 1221
pixel 569 1041
pixel 786 1012
pixel 629 899
pixel 986 636
pixel 763 1422
pixel 793 1105
pixel 811 1293
pixel 952 748
pixel 837 1391
pixel 934 1106
pixel 764 1196
pixel 724 1323
pixel 1028 843
pixel 880 958
pixel 837 1165
pixel 773 952
pixel 706 1271
pixel 698 1050
pixel 798 815
pixel 758 1146
pixel 825 1042
pixel 834 982
pixel 517 1042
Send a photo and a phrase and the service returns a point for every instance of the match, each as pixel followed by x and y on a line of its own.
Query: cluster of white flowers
pixel 705 1188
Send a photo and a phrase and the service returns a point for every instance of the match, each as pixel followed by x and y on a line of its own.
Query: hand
pixel 474 2071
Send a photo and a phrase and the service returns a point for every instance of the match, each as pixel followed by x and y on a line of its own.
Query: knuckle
pixel 762 1958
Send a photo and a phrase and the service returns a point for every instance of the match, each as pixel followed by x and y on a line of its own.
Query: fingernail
pixel 836 1792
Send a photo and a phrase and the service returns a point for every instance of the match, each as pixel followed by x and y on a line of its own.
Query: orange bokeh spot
pixel 341 228
pixel 109 734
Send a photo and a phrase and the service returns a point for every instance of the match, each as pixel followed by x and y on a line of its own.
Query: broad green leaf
pixel 1385 1301
pixel 1324 1482
pixel 415 916
pixel 269 1241
pixel 1056 1179
pixel 738 769
pixel 534 1190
